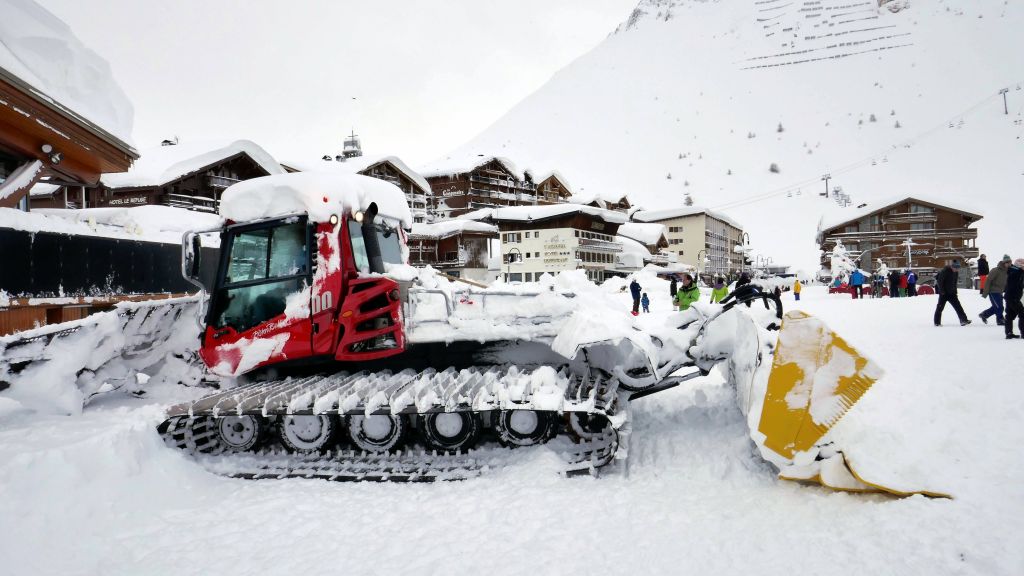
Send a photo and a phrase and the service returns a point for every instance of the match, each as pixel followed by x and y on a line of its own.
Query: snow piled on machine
pixel 320 195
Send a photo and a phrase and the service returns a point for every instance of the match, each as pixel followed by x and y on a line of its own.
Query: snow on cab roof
pixel 40 50
pixel 448 228
pixel 659 215
pixel 357 165
pixel 647 234
pixel 318 194
pixel 161 164
pixel 838 215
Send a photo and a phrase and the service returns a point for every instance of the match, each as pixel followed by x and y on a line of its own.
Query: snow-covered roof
pixel 448 228
pixel 647 234
pixel 838 215
pixel 162 164
pixel 357 165
pixel 478 214
pixel 540 176
pixel 633 254
pixel 660 215
pixel 43 189
pixel 450 165
pixel 41 51
pixel 525 213
pixel 318 194
pixel 600 198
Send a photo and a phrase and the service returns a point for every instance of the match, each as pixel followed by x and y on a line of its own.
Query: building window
pixel 536 254
pixel 922 226
pixel 512 237
pixel 921 209
pixel 529 276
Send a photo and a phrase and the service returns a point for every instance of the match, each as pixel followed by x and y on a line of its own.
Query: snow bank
pixel 526 213
pixel 320 195
pixel 40 50
pixel 646 234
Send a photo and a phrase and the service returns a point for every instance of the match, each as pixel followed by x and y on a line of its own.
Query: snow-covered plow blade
pixel 815 378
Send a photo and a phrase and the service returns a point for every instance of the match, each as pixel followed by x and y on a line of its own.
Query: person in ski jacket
pixel 894 284
pixel 983 271
pixel 1012 294
pixel 857 282
pixel 993 289
pixel 797 287
pixel 945 285
pixel 673 287
pixel 634 290
pixel 688 293
pixel 911 283
pixel 903 284
pixel 744 279
pixel 719 290
pixel 645 302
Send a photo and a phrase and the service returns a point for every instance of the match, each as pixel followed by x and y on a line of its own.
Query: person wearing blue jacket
pixel 857 282
pixel 911 283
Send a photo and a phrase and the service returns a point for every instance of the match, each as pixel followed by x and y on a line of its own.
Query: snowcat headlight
pixel 394 295
pixel 359 216
pixel 334 219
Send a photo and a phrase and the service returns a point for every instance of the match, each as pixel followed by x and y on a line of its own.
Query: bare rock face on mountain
pixel 889 99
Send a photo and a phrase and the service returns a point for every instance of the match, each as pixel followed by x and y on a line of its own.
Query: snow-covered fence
pixel 59 368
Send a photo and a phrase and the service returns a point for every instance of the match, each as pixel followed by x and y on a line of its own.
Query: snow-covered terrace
pixel 358 165
pixel 162 164
pixel 448 228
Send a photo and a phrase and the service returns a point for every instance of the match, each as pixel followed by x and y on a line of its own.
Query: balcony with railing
pixel 507 196
pixel 220 182
pixel 509 183
pixel 600 245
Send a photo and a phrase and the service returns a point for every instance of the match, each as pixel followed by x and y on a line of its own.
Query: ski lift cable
pixel 862 162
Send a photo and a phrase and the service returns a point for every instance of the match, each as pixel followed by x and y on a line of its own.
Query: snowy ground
pixel 100 494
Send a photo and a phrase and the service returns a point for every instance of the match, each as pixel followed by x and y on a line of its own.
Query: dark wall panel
pixel 44 264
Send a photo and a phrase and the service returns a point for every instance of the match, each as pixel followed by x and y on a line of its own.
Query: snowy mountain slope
pixel 889 103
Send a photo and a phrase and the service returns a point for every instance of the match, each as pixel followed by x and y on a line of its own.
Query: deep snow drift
pixel 671 105
pixel 99 493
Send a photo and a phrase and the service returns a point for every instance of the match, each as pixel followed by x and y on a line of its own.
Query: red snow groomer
pixel 336 355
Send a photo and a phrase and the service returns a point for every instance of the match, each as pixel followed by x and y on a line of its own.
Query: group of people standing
pixel 1004 287
pixel 902 283
pixel 683 290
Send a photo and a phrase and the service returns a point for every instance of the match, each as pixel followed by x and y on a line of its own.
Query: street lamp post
pixel 909 243
pixel 767 262
pixel 508 275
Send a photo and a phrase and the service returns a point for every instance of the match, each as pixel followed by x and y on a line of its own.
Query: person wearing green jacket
pixel 719 291
pixel 688 292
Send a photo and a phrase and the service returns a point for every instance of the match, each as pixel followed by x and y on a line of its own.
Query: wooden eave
pixel 28 120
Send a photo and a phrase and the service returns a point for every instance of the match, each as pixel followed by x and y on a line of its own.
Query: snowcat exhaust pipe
pixel 369 229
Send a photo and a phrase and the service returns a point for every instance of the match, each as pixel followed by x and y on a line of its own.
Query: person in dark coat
pixel 673 287
pixel 894 284
pixel 945 285
pixel 1012 295
pixel 744 279
pixel 983 271
pixel 634 290
pixel 995 284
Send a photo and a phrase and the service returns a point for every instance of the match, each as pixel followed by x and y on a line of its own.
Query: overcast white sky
pixel 415 79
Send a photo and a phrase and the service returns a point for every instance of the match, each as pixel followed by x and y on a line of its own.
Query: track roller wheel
pixel 379 432
pixel 588 426
pixel 307 433
pixel 524 427
pixel 240 433
pixel 450 431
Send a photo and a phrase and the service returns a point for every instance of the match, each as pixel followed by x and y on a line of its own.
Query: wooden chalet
pixel 42 140
pixel 553 189
pixel 879 233
pixel 460 248
pixel 483 182
pixel 615 202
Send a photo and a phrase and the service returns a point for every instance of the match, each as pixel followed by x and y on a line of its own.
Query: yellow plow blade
pixel 816 378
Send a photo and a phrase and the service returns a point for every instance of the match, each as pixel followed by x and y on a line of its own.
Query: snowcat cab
pixel 290 291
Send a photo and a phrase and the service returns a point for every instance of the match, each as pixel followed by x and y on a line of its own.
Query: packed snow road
pixel 100 494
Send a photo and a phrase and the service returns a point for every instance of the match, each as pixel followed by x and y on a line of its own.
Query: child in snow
pixel 688 293
pixel 797 287
pixel 719 291
pixel 645 302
